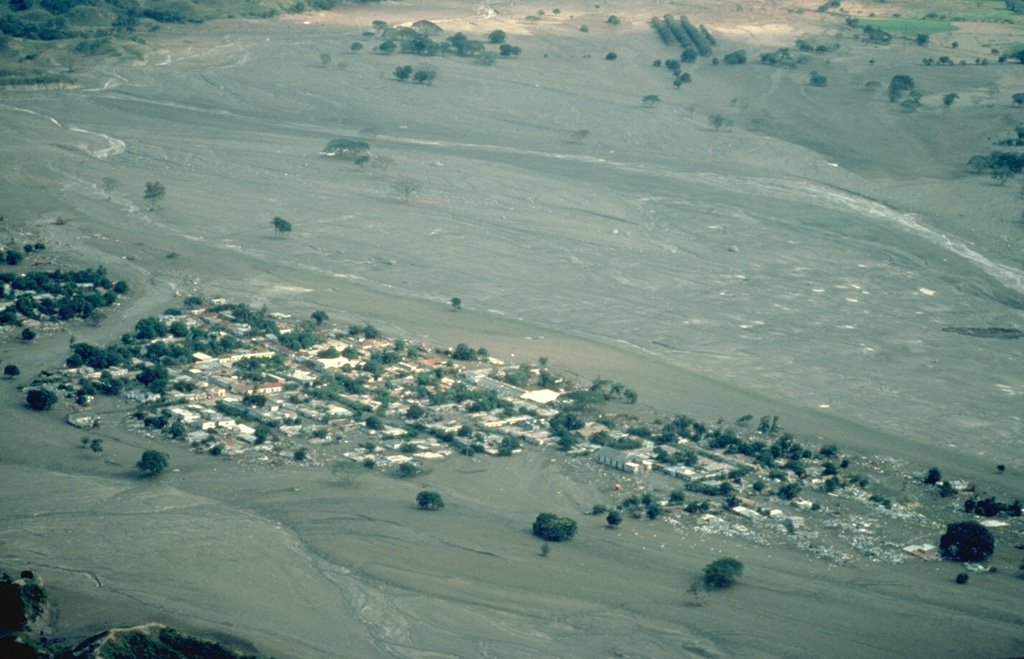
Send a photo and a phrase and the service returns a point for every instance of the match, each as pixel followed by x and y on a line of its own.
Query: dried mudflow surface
pixel 801 262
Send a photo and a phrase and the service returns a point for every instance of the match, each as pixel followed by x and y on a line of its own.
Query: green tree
pixel 496 37
pixel 281 226
pixel 154 193
pixel 387 47
pixel 152 463
pixel 967 541
pixel 721 573
pixel 428 500
pixel 506 50
pixel 1002 174
pixel 325 60
pixel 28 334
pixel 456 303
pixel 898 85
pixel 96 445
pixel 108 184
pixel 11 370
pixel 948 99
pixel 408 469
pixel 319 317
pixel 614 518
pixel 933 476
pixel 356 46
pixel 650 100
pixel 424 76
pixel 551 527
pixel 301 454
pixel 922 39
pixel 818 80
pixel 40 399
pixel 717 121
pixel 403 73
pixel 1018 99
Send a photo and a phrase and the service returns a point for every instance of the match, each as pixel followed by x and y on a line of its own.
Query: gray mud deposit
pixel 718 272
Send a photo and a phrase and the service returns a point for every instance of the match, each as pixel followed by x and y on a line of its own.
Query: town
pixel 266 387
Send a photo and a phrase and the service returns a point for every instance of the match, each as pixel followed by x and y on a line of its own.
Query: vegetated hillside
pixel 152 640
pixel 49 20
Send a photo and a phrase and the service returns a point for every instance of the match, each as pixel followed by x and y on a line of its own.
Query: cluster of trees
pixel 463 352
pixel 681 31
pixel 419 40
pixel 12 255
pixel 72 294
pixel 422 76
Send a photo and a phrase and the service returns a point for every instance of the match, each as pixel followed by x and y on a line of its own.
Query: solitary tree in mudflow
pixel 152 463
pixel 281 225
pixel 456 303
pixel 155 191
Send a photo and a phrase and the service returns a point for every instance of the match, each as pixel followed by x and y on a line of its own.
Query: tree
pixel 898 85
pixel 722 573
pixel 933 476
pixel 152 463
pixel 154 192
pixel 650 100
pixel 108 185
pixel 428 500
pixel 408 469
pixel 614 518
pixel 40 399
pixel 717 121
pixel 1018 99
pixel 319 317
pixel 507 50
pixel 496 37
pixel 456 303
pixel 967 541
pixel 403 73
pixel 325 60
pixel 1001 174
pixel 96 445
pixel 356 46
pixel 818 80
pixel 922 39
pixel 949 98
pixel 611 57
pixel 551 527
pixel 405 187
pixel 11 371
pixel 281 225
pixel 28 334
pixel 424 77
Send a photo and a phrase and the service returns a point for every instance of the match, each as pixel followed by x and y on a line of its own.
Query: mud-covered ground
pixel 802 262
